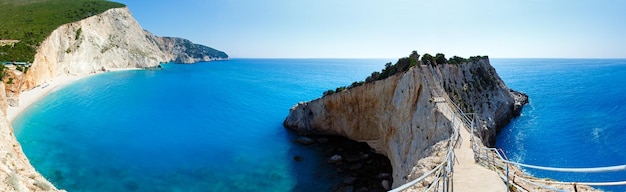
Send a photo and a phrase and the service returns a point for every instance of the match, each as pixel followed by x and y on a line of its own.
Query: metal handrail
pixel 415 181
pixel 469 120
pixel 574 170
pixel 447 163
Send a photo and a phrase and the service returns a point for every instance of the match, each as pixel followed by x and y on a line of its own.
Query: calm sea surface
pixel 218 126
pixel 576 116
pixel 213 126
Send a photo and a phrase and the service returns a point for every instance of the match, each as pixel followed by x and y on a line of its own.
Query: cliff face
pixel 109 40
pixel 16 172
pixel 478 89
pixel 184 51
pixel 397 116
pixel 112 39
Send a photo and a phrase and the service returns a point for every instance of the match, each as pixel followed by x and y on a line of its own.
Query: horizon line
pixel 401 57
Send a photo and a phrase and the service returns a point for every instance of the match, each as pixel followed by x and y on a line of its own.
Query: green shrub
pixel 78 32
pixel 3 72
pixel 414 58
pixel 457 60
pixel 428 59
pixel 478 57
pixel 404 64
pixel 328 92
pixel 440 58
pixel 32 21
pixel 340 89
pixel 356 84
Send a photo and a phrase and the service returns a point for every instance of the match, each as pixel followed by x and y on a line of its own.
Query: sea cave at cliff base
pixel 357 165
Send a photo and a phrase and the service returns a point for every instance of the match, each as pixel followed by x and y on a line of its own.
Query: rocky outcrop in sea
pixel 397 115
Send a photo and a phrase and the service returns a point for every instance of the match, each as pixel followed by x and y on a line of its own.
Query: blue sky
pixel 393 28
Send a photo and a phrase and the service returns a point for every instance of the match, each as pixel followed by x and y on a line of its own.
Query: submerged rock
pixel 349 180
pixel 397 116
pixel 322 140
pixel 385 184
pixel 305 140
pixel 335 159
pixel 353 158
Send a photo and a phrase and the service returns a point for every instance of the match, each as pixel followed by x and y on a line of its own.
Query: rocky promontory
pixel 396 115
pixel 113 39
pixel 185 51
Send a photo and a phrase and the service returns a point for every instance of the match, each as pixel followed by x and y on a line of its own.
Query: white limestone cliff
pixel 397 116
pixel 477 88
pixel 16 172
pixel 112 39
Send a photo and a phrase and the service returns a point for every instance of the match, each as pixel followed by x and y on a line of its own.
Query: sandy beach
pixel 31 96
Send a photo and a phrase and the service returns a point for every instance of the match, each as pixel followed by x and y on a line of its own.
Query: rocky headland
pixel 111 40
pixel 397 116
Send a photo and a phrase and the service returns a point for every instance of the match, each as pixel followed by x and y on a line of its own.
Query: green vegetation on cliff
pixel 31 22
pixel 404 64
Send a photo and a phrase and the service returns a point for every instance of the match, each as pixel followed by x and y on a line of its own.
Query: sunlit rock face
pixel 398 117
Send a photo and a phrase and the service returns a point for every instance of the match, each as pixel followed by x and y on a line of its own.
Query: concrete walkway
pixel 469 176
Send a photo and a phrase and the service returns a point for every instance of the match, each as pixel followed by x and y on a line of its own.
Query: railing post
pixel 452 171
pixel 493 161
pixel 445 183
pixel 507 177
pixel 487 157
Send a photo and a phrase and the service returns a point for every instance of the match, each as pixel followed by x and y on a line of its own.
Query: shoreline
pixel 28 97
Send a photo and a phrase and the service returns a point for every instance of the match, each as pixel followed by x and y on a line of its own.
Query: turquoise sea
pixel 217 126
pixel 213 126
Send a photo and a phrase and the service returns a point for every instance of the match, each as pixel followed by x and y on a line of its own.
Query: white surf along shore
pixel 29 97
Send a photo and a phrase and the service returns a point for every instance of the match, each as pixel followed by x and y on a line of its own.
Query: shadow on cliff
pixel 360 169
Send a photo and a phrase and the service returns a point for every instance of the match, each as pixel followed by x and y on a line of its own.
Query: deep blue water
pixel 576 116
pixel 218 126
pixel 205 127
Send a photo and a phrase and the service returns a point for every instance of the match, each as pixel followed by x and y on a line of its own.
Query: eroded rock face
pixel 478 89
pixel 397 116
pixel 109 40
pixel 112 39
pixel 184 51
pixel 17 173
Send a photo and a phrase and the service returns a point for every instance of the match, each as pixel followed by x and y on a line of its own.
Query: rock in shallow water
pixel 349 180
pixel 305 140
pixel 335 159
pixel 385 184
pixel 356 166
pixel 322 140
pixel 353 158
